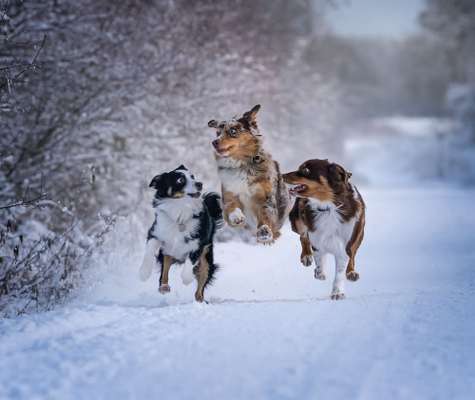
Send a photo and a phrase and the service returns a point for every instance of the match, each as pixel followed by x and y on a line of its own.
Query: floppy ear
pixel 213 123
pixel 338 173
pixel 251 115
pixel 155 181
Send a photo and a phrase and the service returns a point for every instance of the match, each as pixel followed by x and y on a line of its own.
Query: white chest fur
pixel 174 225
pixel 235 180
pixel 331 232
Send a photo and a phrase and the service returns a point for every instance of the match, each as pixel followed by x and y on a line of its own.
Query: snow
pixel 401 151
pixel 405 331
pixel 416 126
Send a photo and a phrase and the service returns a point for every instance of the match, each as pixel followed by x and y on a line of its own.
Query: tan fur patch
pixel 319 190
pixel 354 243
pixel 202 275
pixel 167 262
pixel 263 189
pixel 231 202
pixel 240 148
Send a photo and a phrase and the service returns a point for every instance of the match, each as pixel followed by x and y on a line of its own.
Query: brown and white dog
pixel 253 192
pixel 329 216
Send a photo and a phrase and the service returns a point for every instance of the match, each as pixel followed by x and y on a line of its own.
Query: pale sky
pixel 389 18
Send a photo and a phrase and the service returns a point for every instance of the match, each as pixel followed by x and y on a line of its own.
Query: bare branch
pixel 25 203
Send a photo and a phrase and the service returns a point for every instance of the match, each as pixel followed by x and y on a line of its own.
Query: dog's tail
pixel 149 259
pixel 212 202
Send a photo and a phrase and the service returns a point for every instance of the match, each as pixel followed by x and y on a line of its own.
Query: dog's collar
pixel 257 159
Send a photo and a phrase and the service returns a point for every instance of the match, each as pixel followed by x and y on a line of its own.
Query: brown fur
pixel 202 272
pixel 320 189
pixel 167 263
pixel 353 245
pixel 239 152
pixel 327 182
pixel 231 202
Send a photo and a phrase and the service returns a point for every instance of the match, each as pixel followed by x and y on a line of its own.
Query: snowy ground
pixel 405 331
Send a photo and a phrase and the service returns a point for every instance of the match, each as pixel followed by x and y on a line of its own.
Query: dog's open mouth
pixel 296 189
pixel 195 195
pixel 223 151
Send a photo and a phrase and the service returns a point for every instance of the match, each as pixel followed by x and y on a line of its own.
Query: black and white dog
pixel 184 226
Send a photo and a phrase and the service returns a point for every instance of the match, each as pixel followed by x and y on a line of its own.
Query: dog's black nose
pixel 199 185
pixel 215 143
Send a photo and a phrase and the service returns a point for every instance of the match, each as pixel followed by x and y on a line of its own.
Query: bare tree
pixel 99 96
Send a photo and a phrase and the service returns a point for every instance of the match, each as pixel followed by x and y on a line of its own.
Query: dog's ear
pixel 213 123
pixel 156 181
pixel 182 167
pixel 251 115
pixel 338 173
pixel 160 184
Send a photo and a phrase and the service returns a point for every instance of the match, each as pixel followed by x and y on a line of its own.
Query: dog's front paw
pixel 264 235
pixel 352 276
pixel 306 260
pixel 164 289
pixel 236 217
pixel 337 294
pixel 318 274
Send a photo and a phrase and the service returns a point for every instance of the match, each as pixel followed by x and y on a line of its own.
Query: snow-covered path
pixel 405 331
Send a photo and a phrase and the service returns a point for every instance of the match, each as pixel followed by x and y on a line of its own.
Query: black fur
pixel 211 219
pixel 212 267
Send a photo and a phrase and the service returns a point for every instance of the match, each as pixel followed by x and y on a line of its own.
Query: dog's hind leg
pixel 352 247
pixel 151 250
pixel 201 271
pixel 166 263
pixel 265 223
pixel 204 271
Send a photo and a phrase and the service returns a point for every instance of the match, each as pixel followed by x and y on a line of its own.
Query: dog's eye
pixel 305 171
pixel 180 180
pixel 192 177
pixel 233 131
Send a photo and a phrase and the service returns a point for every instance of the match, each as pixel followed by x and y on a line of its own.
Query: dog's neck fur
pixel 180 210
pixel 346 204
pixel 251 165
